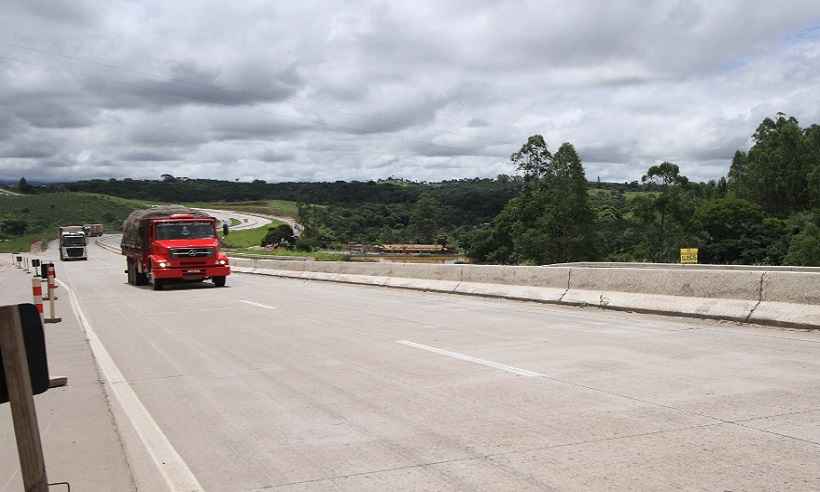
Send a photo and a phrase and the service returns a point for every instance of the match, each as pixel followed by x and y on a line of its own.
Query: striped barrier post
pixel 35 263
pixel 19 261
pixel 52 290
pixel 51 296
pixel 37 293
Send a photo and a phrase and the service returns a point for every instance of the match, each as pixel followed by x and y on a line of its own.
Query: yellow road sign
pixel 689 255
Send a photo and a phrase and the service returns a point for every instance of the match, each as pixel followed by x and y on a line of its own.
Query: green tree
pixel 732 230
pixel 804 249
pixel 279 235
pixel 534 159
pixel 551 220
pixel 23 186
pixel 13 227
pixel 425 218
pixel 738 180
pixel 663 218
pixel 665 174
pixel 777 170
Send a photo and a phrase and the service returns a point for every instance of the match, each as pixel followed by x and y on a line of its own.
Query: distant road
pixel 248 221
pixel 7 192
pixel 252 221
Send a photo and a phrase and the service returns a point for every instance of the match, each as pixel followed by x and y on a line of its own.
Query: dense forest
pixel 765 211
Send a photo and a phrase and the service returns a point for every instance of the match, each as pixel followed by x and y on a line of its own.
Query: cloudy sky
pixel 434 90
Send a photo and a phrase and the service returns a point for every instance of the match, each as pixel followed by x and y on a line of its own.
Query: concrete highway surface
pixel 273 384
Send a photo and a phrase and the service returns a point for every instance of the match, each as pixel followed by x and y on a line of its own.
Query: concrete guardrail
pixel 783 296
pixel 776 297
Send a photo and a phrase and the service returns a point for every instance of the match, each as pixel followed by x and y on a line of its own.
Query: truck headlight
pixel 222 262
pixel 162 264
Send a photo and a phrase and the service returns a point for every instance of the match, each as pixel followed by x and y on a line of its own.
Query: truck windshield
pixel 185 230
pixel 73 241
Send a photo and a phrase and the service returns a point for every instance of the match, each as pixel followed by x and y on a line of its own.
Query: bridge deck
pixel 286 384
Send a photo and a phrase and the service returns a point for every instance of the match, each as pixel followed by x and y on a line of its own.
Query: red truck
pixel 166 244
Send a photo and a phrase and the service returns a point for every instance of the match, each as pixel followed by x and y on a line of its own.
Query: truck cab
pixel 174 247
pixel 72 241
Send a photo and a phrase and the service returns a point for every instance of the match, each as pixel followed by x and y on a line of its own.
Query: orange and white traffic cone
pixel 49 276
pixel 37 293
pixel 51 297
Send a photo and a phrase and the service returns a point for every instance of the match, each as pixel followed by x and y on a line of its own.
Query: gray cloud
pixel 437 90
pixel 27 150
pixel 273 156
pixel 147 155
pixel 52 114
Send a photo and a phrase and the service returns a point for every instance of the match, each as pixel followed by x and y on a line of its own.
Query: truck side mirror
pixel 35 344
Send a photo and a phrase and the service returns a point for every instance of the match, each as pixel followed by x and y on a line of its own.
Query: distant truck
pixel 93 230
pixel 168 244
pixel 72 243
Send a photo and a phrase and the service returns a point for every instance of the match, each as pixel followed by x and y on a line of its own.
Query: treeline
pixel 179 189
pixel 441 213
pixel 384 211
pixel 764 212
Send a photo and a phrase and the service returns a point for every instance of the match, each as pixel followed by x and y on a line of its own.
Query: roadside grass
pixel 43 212
pixel 284 208
pixel 247 237
pixel 22 244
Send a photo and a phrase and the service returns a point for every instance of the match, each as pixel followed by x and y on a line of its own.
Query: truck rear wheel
pixel 218 281
pixel 158 284
pixel 140 278
pixel 129 270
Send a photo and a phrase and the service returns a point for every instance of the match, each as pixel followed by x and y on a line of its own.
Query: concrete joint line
pixel 759 297
pixel 569 280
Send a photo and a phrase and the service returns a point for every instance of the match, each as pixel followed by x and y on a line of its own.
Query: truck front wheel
pixel 218 281
pixel 158 284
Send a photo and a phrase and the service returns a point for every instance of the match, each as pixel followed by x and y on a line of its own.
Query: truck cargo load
pixel 172 243
pixel 93 230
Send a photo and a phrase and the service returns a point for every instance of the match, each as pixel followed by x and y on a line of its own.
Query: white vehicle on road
pixel 72 243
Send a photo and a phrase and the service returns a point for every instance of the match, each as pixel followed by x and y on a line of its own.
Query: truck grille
pixel 74 252
pixel 191 252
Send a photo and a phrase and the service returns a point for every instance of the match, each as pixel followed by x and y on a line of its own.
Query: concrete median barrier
pixel 515 282
pixel 790 298
pixel 722 294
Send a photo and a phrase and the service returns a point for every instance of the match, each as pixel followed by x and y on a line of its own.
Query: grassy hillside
pixel 248 237
pixel 39 215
